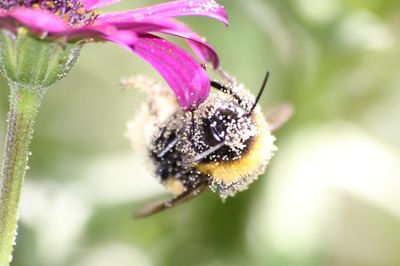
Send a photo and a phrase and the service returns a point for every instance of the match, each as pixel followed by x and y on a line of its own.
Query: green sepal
pixel 35 62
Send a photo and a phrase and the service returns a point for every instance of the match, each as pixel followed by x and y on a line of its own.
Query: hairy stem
pixel 24 105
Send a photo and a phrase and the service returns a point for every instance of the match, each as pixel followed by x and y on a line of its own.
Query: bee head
pixel 231 143
pixel 222 122
pixel 226 123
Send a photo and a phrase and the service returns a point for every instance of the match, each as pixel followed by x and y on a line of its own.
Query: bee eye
pixel 217 131
pixel 214 131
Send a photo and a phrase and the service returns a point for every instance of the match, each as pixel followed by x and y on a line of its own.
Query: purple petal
pixel 208 8
pixel 199 45
pixel 182 72
pixel 92 4
pixel 37 20
pixel 140 27
pixel 201 48
pixel 40 21
pixel 99 33
pixel 122 37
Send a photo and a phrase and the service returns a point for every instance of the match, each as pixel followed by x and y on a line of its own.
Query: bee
pixel 224 144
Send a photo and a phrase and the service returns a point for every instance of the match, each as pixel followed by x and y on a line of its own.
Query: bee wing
pixel 278 116
pixel 158 206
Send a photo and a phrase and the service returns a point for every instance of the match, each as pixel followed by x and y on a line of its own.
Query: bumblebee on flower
pixel 40 41
pixel 224 144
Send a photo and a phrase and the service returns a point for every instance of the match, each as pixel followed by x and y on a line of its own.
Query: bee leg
pixel 225 89
pixel 158 206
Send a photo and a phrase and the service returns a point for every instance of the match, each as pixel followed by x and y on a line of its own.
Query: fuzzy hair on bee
pixel 223 144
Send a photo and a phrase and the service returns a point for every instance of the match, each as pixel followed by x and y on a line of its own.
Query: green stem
pixel 24 105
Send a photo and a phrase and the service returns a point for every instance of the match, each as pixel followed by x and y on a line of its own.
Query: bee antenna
pixel 260 92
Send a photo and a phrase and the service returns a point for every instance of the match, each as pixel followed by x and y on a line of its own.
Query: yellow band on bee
pixel 260 151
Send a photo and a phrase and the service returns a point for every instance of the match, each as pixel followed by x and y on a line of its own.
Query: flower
pixel 77 22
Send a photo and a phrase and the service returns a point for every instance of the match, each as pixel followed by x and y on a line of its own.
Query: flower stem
pixel 24 105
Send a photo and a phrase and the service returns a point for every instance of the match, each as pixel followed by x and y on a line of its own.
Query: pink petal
pixel 141 27
pixel 199 45
pixel 41 21
pixel 98 33
pixel 208 8
pixel 92 4
pixel 173 27
pixel 184 75
pixel 37 20
pixel 125 37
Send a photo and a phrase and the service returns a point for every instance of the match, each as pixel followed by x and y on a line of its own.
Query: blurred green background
pixel 331 195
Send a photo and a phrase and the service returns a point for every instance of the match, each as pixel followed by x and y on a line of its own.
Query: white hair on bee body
pixel 160 105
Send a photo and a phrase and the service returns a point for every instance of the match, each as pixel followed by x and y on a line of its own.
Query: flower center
pixel 72 11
